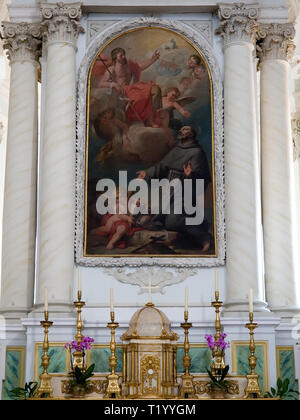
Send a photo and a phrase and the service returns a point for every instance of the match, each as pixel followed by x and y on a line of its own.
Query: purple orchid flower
pixel 221 344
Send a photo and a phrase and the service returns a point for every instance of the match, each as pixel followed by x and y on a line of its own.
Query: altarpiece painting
pixel 149 115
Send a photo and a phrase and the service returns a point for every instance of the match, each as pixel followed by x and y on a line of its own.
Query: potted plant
pixel 218 386
pixel 79 372
pixel 80 382
pixel 283 391
pixel 28 391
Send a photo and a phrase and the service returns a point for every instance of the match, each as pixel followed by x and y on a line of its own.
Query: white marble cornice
pixel 237 22
pixel 275 41
pixel 22 40
pixel 61 22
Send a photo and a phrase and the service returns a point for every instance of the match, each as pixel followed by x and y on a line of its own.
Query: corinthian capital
pixel 61 22
pixel 21 40
pixel 275 41
pixel 238 22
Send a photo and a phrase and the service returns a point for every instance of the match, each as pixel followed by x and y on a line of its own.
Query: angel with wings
pixel 171 101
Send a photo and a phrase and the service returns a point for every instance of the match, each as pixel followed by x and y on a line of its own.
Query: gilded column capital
pixel 237 22
pixel 275 41
pixel 61 22
pixel 22 40
pixel 296 134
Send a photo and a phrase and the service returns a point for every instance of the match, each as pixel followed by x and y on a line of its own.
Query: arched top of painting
pixel 172 39
pixel 172 46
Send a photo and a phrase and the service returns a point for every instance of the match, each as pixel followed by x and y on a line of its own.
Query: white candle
pixel 149 291
pixel 79 279
pixel 186 298
pixel 46 299
pixel 216 280
pixel 111 300
pixel 250 298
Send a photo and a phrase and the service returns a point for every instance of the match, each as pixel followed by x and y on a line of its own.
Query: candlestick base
pixel 252 389
pixel 113 389
pixel 45 389
pixel 187 389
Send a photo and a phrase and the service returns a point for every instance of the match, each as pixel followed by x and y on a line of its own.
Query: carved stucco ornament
pixel 159 278
pixel 96 27
pixel 22 41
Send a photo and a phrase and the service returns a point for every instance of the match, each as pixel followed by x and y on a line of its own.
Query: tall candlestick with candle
pixel 113 389
pixel 218 356
pixel 187 389
pixel 45 388
pixel 78 356
pixel 252 389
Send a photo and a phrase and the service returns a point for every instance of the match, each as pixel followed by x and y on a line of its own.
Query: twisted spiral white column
pixel 278 181
pixel 244 265
pixel 57 192
pixel 19 212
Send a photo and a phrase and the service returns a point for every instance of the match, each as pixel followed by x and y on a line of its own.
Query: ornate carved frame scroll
pixel 204 46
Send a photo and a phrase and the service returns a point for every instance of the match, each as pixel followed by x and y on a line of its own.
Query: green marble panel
pixel 13 372
pixel 200 359
pixel 100 356
pixel 57 359
pixel 287 366
pixel 242 363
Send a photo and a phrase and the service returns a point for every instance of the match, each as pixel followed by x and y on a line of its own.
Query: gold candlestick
pixel 252 389
pixel 78 356
pixel 217 305
pixel 187 389
pixel 45 389
pixel 113 389
pixel 218 360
